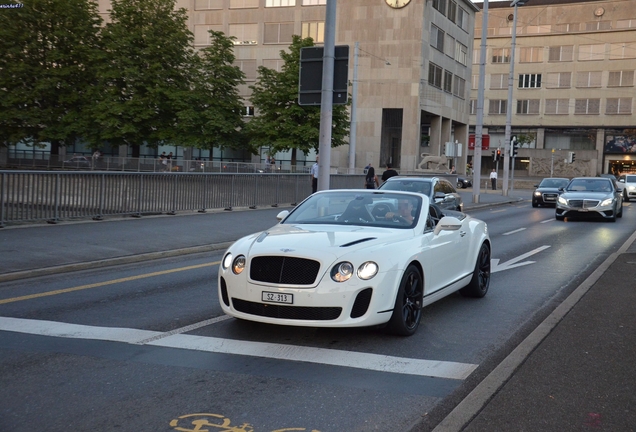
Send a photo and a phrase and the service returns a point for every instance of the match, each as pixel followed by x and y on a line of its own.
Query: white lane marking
pixel 496 267
pixel 548 220
pixel 358 360
pixel 185 329
pixel 513 232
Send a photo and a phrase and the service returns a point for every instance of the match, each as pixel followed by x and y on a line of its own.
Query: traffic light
pixel 494 156
pixel 498 155
pixel 571 157
pixel 514 146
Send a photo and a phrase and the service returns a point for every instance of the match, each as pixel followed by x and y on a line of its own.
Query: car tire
pixel 407 312
pixel 479 283
pixel 620 212
pixel 460 185
pixel 534 204
pixel 625 197
pixel 559 218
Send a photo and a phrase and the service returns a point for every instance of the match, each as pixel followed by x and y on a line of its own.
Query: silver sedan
pixel 590 196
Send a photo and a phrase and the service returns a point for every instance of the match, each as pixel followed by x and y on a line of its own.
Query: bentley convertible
pixel 352 258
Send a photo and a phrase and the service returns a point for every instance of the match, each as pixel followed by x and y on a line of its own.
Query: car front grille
pixel 583 203
pixel 284 270
pixel 551 197
pixel 303 313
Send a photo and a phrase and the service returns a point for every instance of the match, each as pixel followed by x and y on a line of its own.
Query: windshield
pixel 423 187
pixel 553 183
pixel 388 210
pixel 590 185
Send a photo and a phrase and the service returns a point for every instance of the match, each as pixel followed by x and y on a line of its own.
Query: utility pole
pixel 480 105
pixel 326 104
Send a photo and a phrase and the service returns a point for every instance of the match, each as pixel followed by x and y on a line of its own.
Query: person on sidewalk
pixel 371 180
pixel 389 172
pixel 314 176
pixel 493 179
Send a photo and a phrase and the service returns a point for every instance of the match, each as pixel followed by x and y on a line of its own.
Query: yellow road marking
pixel 110 282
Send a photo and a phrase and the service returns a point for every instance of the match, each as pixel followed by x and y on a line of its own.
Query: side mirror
pixel 282 215
pixel 447 223
pixel 536 186
pixel 439 196
pixel 622 180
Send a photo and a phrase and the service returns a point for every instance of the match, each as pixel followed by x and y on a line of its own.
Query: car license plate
pixel 272 297
pixel 583 210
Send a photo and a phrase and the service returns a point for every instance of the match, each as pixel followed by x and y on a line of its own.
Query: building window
pixel 498 81
pixel 530 81
pixel 622 51
pixel 565 28
pixel 440 5
pixel 588 79
pixel 314 2
pixel 462 19
pixel 245 34
pixel 459 87
pixel 531 55
pixel 314 30
pixel 279 3
pixel 598 25
pixel 476 55
pixel 437 38
pixel 528 106
pixel 208 4
pixel 243 4
pixel 473 106
pixel 249 111
pixel 559 80
pixel 461 53
pixel 557 106
pixel 274 64
pixel 561 53
pixel 202 33
pixel 448 81
pixel 501 55
pixel 587 106
pixel 497 106
pixel 591 52
pixel 449 46
pixel 628 23
pixel 474 82
pixel 248 67
pixel 452 11
pixel 276 33
pixel 621 79
pixel 434 75
pixel 536 29
pixel 619 106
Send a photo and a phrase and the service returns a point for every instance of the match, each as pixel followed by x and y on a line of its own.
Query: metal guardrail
pixel 31 196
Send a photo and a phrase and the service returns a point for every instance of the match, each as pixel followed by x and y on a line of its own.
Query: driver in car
pixel 405 210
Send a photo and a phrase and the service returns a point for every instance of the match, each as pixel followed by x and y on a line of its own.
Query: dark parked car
pixel 547 192
pixel 439 190
pixel 77 162
pixel 590 196
pixel 463 183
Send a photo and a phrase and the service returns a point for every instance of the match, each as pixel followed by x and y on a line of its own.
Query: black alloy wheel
pixel 478 285
pixel 407 312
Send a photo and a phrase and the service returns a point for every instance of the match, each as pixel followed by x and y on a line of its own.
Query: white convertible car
pixel 351 258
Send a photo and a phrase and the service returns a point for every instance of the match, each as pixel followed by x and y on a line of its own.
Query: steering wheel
pixel 400 219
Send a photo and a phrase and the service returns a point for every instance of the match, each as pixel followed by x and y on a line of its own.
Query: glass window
pixel 434 75
pixel 559 80
pixel 239 4
pixel 531 55
pixel 497 106
pixel 462 19
pixel 245 34
pixel 591 52
pixel 566 28
pixel 621 79
pixel 598 25
pixel 459 87
pixel 587 106
pixel 498 81
pixel 619 106
pixel 452 10
pixel 448 81
pixel 314 30
pixel 440 5
pixel 557 106
pixel 474 82
pixel 279 3
pixel 528 106
pixel 622 51
pixel 589 79
pixel 208 4
pixel 248 67
pixel 202 35
pixel 314 2
pixel 449 46
pixel 530 81
pixel 628 23
pixel 561 53
pixel 461 53
pixel 278 33
pixel 275 64
pixel 476 55
pixel 437 38
pixel 501 55
pixel 473 106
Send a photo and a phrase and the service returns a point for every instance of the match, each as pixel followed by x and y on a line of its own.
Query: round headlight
pixel 537 193
pixel 367 270
pixel 342 272
pixel 238 265
pixel 227 261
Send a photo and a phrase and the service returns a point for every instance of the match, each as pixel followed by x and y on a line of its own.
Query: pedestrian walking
pixel 371 180
pixel 389 172
pixel 314 176
pixel 493 179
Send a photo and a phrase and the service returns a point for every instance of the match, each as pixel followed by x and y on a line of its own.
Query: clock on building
pixel 397 4
pixel 599 12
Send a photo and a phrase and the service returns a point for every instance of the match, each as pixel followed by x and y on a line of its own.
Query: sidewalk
pixel 575 372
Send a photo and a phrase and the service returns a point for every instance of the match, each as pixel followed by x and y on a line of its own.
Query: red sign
pixel 485 142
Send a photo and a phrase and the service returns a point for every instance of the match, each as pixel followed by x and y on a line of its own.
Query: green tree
pixel 281 123
pixel 146 65
pixel 47 54
pixel 211 113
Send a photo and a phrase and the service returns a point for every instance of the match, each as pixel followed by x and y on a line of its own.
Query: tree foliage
pixel 281 123
pixel 46 67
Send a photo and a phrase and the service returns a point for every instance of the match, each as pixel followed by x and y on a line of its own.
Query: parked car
pixel 463 183
pixel 590 196
pixel 547 192
pixel 355 258
pixel 77 162
pixel 628 183
pixel 439 190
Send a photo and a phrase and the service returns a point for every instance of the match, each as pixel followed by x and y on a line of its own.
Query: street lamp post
pixel 511 77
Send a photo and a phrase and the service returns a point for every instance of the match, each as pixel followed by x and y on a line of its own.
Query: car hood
pixel 586 195
pixel 547 189
pixel 323 242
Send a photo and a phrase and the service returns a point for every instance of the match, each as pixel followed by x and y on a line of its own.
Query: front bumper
pixel 585 208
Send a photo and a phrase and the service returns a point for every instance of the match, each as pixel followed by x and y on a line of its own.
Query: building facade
pixel 573 85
